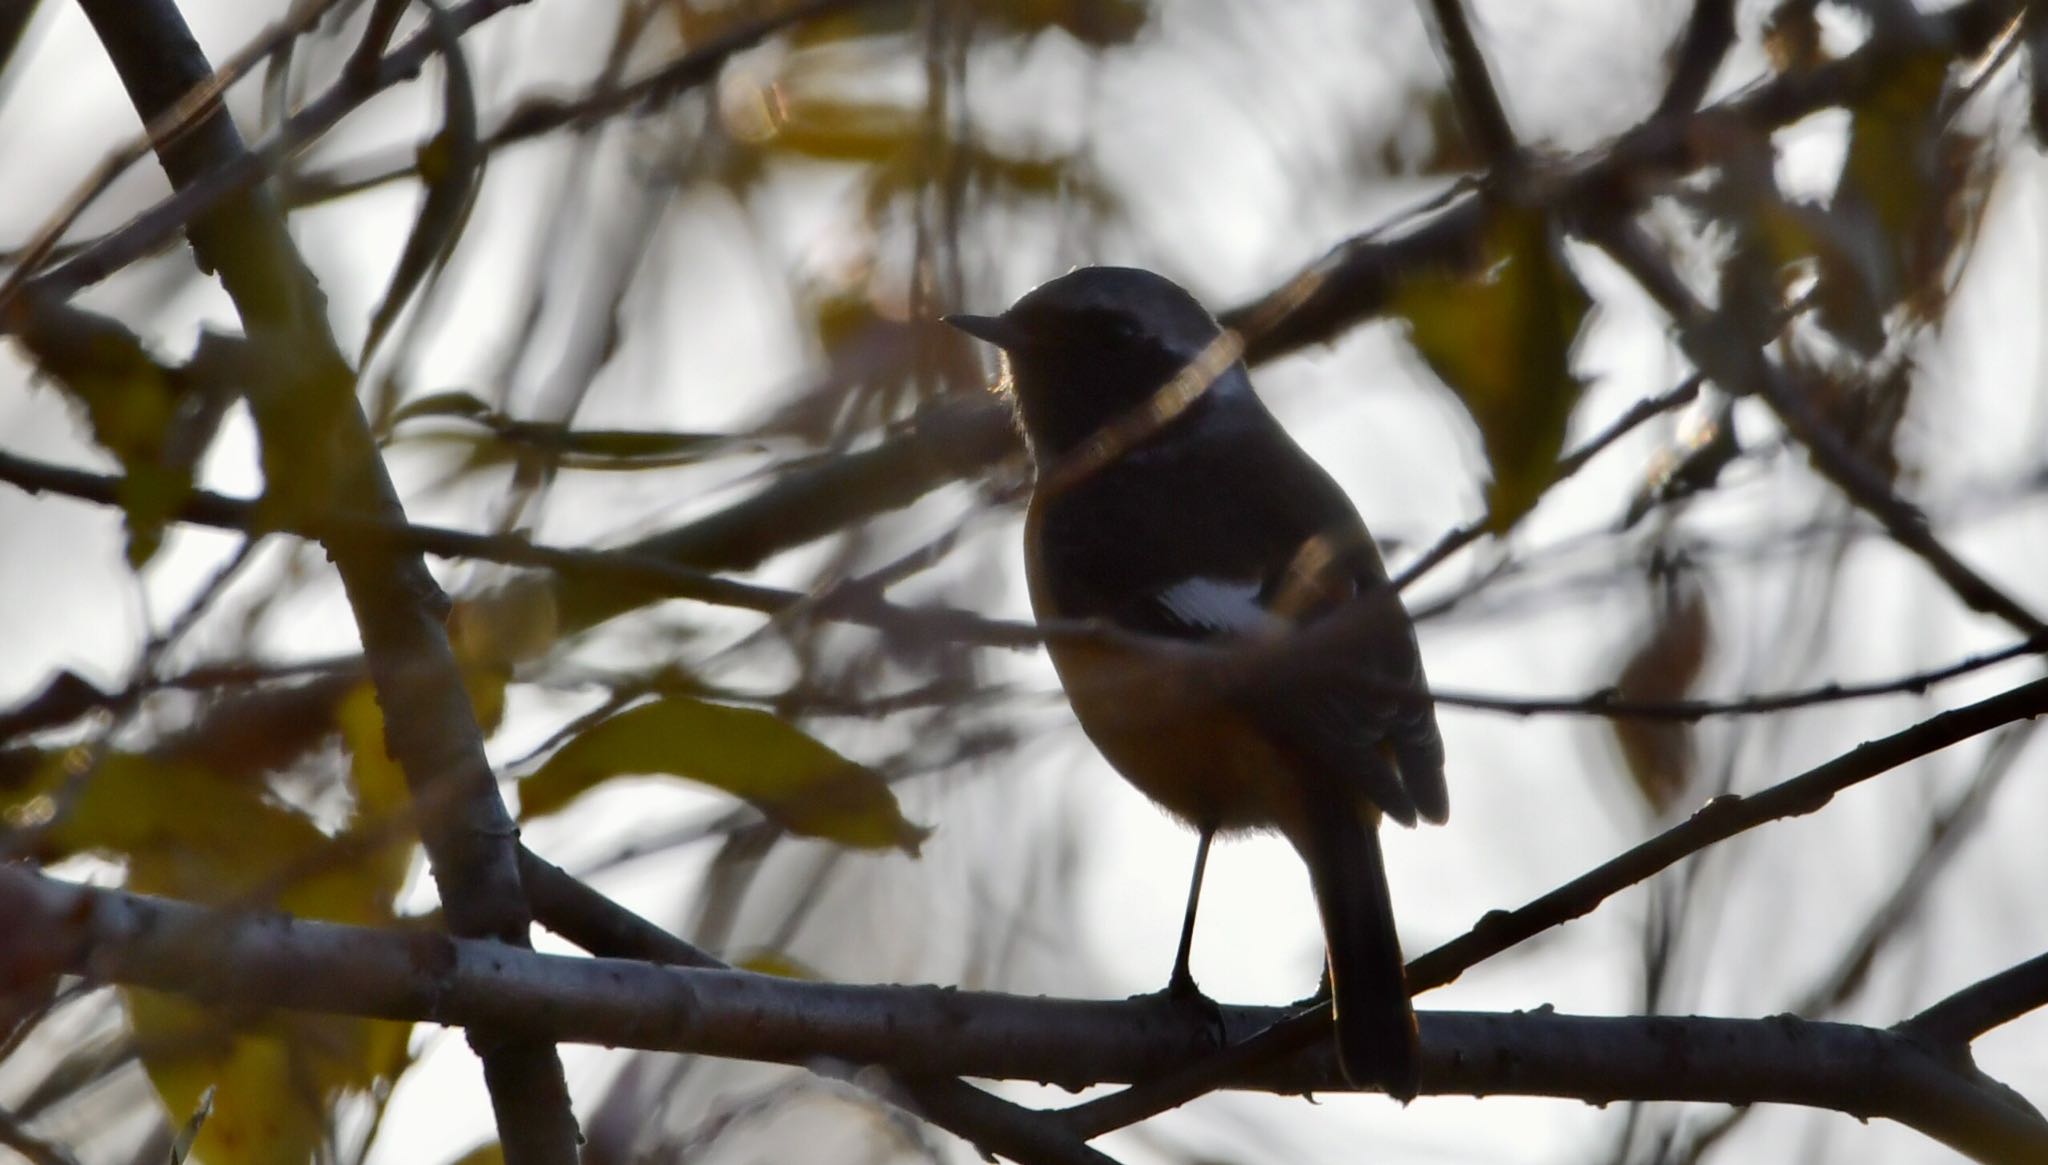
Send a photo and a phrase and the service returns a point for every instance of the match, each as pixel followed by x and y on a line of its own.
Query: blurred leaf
pixel 1917 186
pixel 779 964
pixel 512 623
pixel 252 733
pixel 845 131
pixel 1094 23
pixel 187 832
pixel 797 782
pixel 130 401
pixel 451 165
pixel 1891 164
pixel 1663 666
pixel 1502 341
pixel 273 1079
pixel 894 139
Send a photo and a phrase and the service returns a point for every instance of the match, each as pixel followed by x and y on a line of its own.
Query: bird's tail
pixel 1376 1036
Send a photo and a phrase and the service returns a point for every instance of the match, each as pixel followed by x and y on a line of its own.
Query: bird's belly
pixel 1176 740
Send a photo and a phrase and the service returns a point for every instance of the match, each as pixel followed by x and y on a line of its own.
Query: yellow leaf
pixel 1893 158
pixel 1502 341
pixel 778 964
pixel 507 624
pixel 274 1075
pixel 129 399
pixel 189 832
pixel 794 780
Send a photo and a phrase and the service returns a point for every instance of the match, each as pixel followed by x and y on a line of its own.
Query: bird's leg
pixel 1182 982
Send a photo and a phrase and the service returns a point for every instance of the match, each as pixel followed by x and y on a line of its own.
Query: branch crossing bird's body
pixel 1170 504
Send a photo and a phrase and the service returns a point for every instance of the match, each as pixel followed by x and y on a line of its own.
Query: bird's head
pixel 1098 344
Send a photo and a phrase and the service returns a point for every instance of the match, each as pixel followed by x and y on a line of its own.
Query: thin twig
pixel 1983 1005
pixel 1735 361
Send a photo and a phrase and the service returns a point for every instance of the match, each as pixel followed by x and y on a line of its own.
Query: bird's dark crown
pixel 1091 346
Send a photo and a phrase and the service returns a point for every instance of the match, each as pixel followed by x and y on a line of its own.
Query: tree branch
pixel 284 962
pixel 1479 104
pixel 989 1123
pixel 319 460
pixel 1718 820
pixel 1983 1005
pixel 1717 347
pixel 1708 35
pixel 589 570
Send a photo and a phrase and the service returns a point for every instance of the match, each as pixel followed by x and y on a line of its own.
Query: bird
pixel 1230 641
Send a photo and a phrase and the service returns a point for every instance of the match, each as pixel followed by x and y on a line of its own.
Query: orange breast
pixel 1166 729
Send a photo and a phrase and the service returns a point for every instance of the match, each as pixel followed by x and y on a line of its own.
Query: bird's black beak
pixel 997 330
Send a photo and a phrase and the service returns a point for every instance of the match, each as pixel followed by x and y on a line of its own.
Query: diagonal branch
pixel 319 460
pixel 1718 820
pixel 1983 1005
pixel 1716 346
pixel 993 1125
pixel 590 571
pixel 1708 35
pixel 1479 104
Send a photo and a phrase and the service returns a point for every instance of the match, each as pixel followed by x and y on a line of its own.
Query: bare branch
pixel 285 962
pixel 1708 35
pixel 1739 366
pixel 319 459
pixel 1983 1005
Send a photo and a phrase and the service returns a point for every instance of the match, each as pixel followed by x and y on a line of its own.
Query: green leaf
pixel 797 782
pixel 451 165
pixel 1502 341
pixel 189 832
pixel 130 400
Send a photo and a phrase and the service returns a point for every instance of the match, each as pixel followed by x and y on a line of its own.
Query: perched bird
pixel 1257 670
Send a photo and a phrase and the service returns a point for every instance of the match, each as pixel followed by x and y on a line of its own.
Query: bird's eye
pixel 1123 328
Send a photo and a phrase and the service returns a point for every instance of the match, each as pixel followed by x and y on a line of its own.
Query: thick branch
pixel 989 1123
pixel 319 460
pixel 276 961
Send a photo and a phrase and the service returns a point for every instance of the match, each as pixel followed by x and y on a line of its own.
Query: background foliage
pixel 1684 358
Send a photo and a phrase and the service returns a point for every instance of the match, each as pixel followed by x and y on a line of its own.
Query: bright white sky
pixel 1279 107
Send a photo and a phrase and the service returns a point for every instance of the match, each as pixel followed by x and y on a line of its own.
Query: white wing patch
pixel 1221 604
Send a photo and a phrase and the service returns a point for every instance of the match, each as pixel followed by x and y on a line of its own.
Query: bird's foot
pixel 1187 1002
